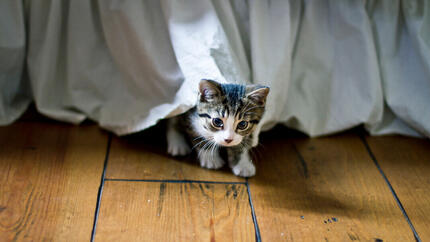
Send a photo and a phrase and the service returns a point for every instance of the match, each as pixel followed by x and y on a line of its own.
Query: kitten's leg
pixel 176 142
pixel 210 158
pixel 240 162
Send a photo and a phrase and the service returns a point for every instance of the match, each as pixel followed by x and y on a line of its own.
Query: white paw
pixel 244 167
pixel 178 149
pixel 210 160
pixel 177 145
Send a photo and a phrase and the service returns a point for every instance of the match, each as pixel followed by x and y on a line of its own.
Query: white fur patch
pixel 244 167
pixel 198 127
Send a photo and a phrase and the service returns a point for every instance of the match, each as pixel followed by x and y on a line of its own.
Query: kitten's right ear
pixel 257 94
pixel 209 90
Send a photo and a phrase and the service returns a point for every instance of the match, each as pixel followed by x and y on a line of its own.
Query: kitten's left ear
pixel 209 90
pixel 257 94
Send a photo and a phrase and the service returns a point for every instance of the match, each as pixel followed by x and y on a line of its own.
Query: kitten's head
pixel 229 112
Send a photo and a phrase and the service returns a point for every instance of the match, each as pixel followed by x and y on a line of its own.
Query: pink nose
pixel 228 141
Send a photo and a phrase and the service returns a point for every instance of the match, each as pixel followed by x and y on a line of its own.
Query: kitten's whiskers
pixel 199 137
pixel 205 146
pixel 214 149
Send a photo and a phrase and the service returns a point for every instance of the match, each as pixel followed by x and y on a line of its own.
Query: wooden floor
pixel 77 183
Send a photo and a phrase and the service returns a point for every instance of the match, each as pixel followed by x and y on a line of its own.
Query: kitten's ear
pixel 257 94
pixel 209 90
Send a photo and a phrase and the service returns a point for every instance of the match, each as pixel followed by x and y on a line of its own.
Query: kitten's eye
pixel 242 125
pixel 217 122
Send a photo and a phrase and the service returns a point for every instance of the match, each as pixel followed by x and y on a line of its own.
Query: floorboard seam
pixel 399 203
pixel 172 181
pixel 254 217
pixel 302 162
pixel 99 194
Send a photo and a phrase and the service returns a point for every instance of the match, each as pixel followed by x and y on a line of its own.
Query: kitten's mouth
pixel 225 144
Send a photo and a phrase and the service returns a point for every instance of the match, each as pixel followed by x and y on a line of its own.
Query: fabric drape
pixel 331 65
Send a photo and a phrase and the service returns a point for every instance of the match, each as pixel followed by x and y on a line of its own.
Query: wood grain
pixel 153 211
pixel 323 190
pixel 49 178
pixel 144 156
pixel 406 163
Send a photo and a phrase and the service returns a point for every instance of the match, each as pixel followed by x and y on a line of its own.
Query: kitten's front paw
pixel 244 168
pixel 210 160
pixel 212 164
pixel 177 146
pixel 179 149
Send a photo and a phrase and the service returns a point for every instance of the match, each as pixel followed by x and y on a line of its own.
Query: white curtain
pixel 127 64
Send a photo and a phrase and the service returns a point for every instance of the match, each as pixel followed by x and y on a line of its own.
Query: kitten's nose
pixel 228 141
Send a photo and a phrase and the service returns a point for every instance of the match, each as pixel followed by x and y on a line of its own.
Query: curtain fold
pixel 331 65
pixel 15 94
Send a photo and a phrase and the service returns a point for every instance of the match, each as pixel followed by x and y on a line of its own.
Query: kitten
pixel 223 119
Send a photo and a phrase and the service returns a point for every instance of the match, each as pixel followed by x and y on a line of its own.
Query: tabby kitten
pixel 222 122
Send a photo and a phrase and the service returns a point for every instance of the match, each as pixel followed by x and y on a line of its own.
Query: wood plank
pixel 49 179
pixel 321 190
pixel 406 163
pixel 153 211
pixel 144 156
